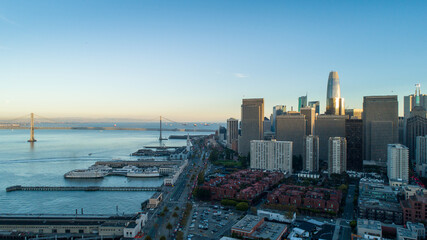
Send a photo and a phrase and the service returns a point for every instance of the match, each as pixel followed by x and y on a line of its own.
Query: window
pixel 81 231
pixel 54 230
pixel 67 231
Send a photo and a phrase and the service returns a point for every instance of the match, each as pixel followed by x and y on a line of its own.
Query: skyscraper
pixel 252 123
pixel 416 125
pixel 271 155
pixel 310 116
pixel 232 133
pixel 315 105
pixel 354 136
pixel 291 127
pixel 337 152
pixel 354 113
pixel 421 155
pixel 380 126
pixel 311 153
pixel 277 110
pixel 334 102
pixel 328 126
pixel 397 162
pixel 410 102
pixel 302 102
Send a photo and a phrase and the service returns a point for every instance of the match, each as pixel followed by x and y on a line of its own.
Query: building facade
pixel 421 155
pixel 302 102
pixel 334 102
pixel 328 126
pixel 277 110
pixel 380 126
pixel 252 123
pixel 311 153
pixel 291 127
pixel 315 105
pixel 271 155
pixel 337 160
pixel 354 137
pixel 397 162
pixel 416 125
pixel 354 113
pixel 232 133
pixel 310 116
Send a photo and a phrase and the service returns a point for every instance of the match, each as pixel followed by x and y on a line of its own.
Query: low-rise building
pixel 405 234
pixel 255 227
pixel 369 229
pixel 417 227
pixel 415 207
pixel 387 212
pixel 155 200
pixel 276 215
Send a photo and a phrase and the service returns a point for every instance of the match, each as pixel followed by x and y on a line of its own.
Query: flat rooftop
pixel 369 224
pixel 247 223
pixel 270 230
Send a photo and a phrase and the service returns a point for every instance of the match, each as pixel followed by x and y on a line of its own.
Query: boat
pixel 146 173
pixel 124 170
pixel 85 174
pixel 96 171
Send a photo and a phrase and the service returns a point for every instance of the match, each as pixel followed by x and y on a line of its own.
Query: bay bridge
pixel 29 121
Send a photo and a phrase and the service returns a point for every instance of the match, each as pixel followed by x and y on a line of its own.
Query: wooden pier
pixel 88 188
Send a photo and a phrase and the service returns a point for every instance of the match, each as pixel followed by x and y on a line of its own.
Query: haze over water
pixel 59 151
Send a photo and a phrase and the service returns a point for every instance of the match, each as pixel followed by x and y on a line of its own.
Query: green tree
pixel 165 209
pixel 242 206
pixel 353 224
pixel 169 227
pixel 176 208
pixel 179 235
pixel 162 238
pixel 147 237
pixel 203 194
pixel 175 215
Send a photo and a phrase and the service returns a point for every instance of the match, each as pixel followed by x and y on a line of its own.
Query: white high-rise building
pixel 271 155
pixel 311 153
pixel 421 155
pixel 232 132
pixel 397 162
pixel 337 155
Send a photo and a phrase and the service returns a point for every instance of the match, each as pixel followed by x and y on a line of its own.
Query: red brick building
pixel 308 197
pixel 242 185
pixel 415 208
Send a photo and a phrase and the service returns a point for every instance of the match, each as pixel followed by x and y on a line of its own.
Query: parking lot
pixel 211 222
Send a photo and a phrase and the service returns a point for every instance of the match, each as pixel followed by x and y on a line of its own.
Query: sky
pixel 196 60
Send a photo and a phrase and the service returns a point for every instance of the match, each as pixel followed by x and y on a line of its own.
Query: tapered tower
pixel 334 102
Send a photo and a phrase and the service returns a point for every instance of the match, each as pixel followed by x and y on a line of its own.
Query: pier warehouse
pixel 73 225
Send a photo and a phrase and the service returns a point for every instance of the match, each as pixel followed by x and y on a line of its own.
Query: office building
pixel 328 126
pixel 252 123
pixel 410 102
pixel 254 227
pixel 302 102
pixel 310 116
pixel 354 113
pixel 415 208
pixel 222 134
pixel 277 111
pixel 315 105
pixel 337 160
pixel 380 126
pixel 267 125
pixel 369 229
pixel 271 155
pixel 291 127
pixel 353 135
pixel 416 125
pixel 334 102
pixel 311 153
pixel 232 133
pixel 397 162
pixel 421 155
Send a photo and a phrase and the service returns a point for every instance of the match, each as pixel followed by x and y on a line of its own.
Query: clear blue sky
pixel 196 60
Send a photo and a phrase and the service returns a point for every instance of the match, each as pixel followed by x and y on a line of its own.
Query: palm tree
pixel 169 227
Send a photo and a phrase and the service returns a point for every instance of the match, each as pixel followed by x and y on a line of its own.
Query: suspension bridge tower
pixel 32 139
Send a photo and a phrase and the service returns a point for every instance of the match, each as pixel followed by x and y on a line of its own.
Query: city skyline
pixel 147 59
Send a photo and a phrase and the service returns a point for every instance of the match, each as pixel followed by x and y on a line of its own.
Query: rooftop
pixel 369 224
pixel 270 230
pixel 247 223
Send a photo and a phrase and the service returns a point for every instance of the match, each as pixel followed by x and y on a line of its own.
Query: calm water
pixel 59 151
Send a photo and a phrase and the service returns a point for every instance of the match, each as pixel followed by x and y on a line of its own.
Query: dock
pixel 88 188
pixel 119 164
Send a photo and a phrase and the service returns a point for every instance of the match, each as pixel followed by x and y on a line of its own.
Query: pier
pixel 120 164
pixel 88 188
